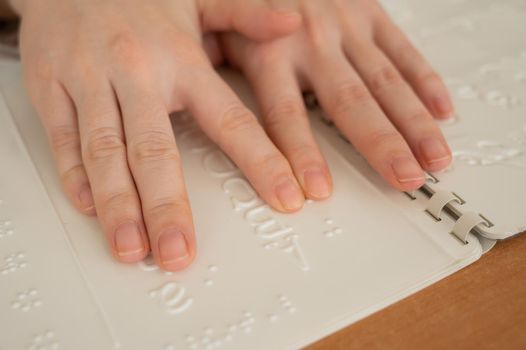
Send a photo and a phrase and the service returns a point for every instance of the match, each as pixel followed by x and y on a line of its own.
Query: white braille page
pixel 478 46
pixel 260 280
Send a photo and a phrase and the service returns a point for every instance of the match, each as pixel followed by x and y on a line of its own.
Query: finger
pixel 287 124
pixel 156 168
pixel 415 69
pixel 104 155
pixel 400 103
pixel 236 130
pixel 212 49
pixel 59 118
pixel 354 111
pixel 253 18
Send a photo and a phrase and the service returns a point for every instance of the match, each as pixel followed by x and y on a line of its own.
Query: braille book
pixel 261 279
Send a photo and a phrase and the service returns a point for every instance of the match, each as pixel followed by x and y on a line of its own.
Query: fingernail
pixel 128 240
pixel 172 247
pixel 317 184
pixel 406 169
pixel 443 107
pixel 290 195
pixel 86 199
pixel 434 151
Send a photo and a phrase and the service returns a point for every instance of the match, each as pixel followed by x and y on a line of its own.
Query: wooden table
pixel 481 307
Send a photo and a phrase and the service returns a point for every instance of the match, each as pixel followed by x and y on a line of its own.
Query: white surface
pixel 333 263
pixel 479 47
pixel 362 250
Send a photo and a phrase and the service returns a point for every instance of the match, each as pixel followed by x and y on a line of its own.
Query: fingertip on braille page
pixel 407 170
pixel 317 184
pixel 443 108
pixel 128 241
pixel 290 195
pixel 173 250
pixel 86 199
pixel 436 155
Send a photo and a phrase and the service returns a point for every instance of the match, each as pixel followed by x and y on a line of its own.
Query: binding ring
pixel 431 178
pixel 411 195
pixel 438 201
pixel 461 200
pixel 467 222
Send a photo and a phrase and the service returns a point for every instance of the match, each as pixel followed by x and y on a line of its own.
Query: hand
pixel 104 76
pixel 379 91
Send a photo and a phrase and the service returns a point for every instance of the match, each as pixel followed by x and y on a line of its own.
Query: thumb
pixel 254 19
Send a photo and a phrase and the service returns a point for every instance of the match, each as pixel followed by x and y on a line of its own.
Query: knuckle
pixel 75 172
pixel 64 138
pixel 184 48
pixel 383 140
pixel 384 78
pixel 429 77
pixel 42 69
pixel 349 94
pixel 125 47
pixel 284 110
pixel 418 117
pixel 304 153
pixel 152 145
pixel 103 143
pixel 236 119
pixel 270 161
pixel 82 71
pixel 408 55
pixel 117 200
pixel 317 31
pixel 169 206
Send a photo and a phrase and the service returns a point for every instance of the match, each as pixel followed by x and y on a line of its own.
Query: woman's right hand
pixel 104 76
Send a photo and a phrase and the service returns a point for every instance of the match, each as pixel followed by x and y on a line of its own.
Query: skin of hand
pixel 104 76
pixel 373 84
